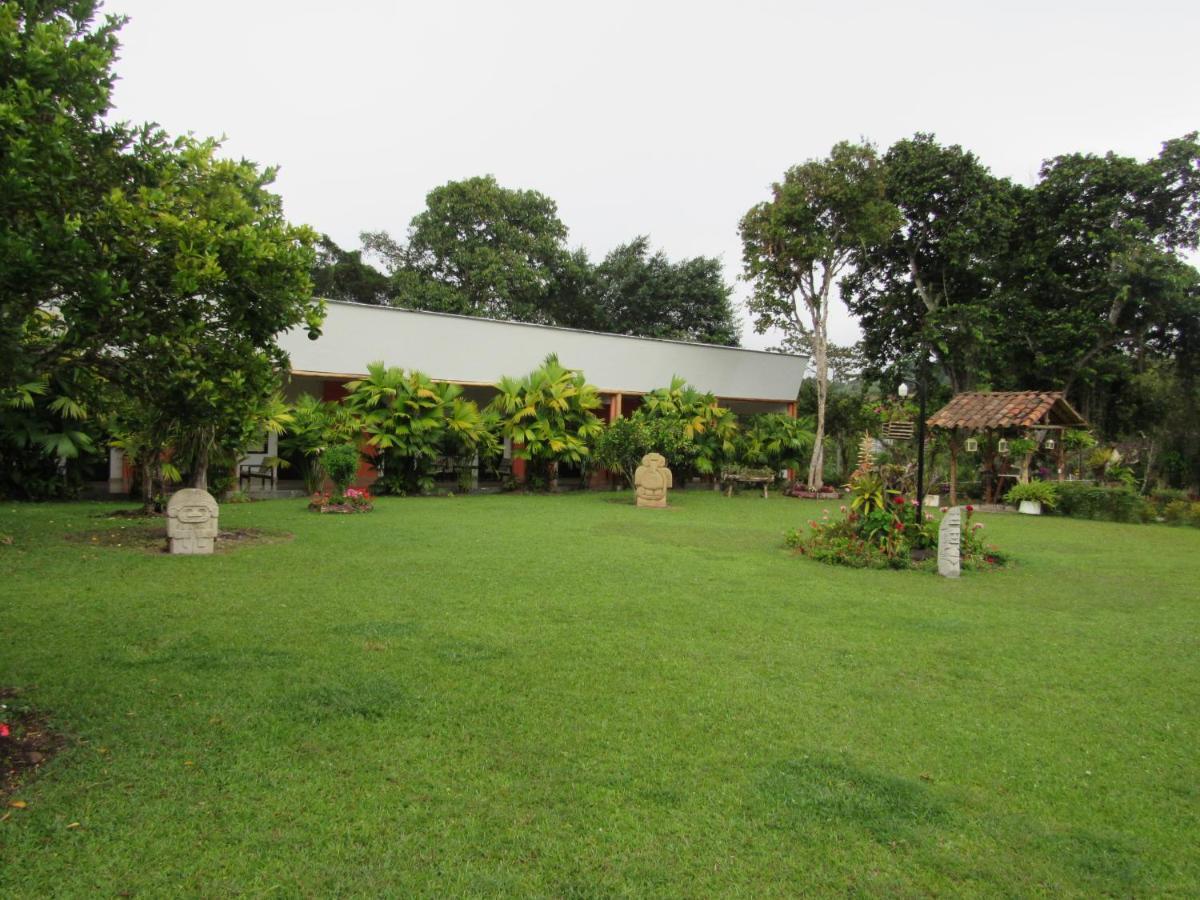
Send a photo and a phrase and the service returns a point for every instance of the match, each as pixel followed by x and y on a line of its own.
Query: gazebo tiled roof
pixel 978 411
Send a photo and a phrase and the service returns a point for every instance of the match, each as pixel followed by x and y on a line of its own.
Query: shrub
pixel 1089 501
pixel 708 430
pixel 548 416
pixel 1043 492
pixel 1182 512
pixel 341 464
pixel 412 423
pixel 774 440
pixel 1162 497
pixel 621 446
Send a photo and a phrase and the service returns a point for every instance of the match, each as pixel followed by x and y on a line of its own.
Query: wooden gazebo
pixel 1036 413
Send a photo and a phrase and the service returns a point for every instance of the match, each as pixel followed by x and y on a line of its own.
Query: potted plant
pixel 1030 498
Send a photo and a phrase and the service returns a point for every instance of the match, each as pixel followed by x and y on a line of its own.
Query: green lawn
pixel 568 696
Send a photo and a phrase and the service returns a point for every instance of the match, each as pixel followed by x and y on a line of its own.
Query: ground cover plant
pixel 533 695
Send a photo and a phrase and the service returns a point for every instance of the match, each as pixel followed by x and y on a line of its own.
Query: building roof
pixel 473 350
pixel 1006 409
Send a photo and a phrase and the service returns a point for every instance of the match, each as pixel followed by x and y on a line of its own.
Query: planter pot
pixel 1030 507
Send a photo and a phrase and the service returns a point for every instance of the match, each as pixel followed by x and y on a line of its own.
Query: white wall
pixel 460 348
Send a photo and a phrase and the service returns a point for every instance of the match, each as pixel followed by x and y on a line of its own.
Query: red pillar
pixel 335 392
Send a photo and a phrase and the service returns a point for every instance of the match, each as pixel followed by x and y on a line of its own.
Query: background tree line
pixel 1080 282
pixel 480 249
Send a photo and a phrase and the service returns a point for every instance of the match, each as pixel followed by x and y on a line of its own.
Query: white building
pixel 476 353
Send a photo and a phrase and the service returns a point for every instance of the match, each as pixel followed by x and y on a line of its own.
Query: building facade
pixel 475 353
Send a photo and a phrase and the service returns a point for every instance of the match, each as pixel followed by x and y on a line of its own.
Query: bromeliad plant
pixel 548 415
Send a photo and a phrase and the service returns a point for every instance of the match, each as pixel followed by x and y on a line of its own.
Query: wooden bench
pixel 731 479
pixel 247 472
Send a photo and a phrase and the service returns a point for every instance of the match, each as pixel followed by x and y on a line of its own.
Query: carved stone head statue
pixel 191 521
pixel 652 480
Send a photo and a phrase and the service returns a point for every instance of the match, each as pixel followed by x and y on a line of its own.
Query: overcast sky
pixel 666 119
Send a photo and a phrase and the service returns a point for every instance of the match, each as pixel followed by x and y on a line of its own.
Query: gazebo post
pixel 954 467
pixel 1060 453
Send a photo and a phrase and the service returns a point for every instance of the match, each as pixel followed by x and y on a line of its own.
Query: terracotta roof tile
pixel 1006 409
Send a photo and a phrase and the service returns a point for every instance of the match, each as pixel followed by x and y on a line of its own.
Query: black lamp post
pixel 922 390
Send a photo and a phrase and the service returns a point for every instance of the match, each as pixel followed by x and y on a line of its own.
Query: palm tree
pixel 548 416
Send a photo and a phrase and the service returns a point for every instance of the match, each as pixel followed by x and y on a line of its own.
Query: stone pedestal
pixel 652 480
pixel 191 522
pixel 950 543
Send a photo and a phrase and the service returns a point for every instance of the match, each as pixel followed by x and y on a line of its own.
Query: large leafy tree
pixel 797 244
pixel 634 291
pixel 158 269
pixel 1097 271
pixel 478 249
pixel 58 160
pixel 340 274
pixel 932 284
pixel 206 272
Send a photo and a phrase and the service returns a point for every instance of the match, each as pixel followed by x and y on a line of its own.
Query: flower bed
pixel 354 500
pixel 882 530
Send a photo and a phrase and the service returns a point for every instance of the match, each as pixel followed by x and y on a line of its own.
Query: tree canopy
pixel 482 249
pixel 633 291
pixel 797 245
pixel 157 272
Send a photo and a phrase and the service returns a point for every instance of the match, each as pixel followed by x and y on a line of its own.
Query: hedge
pixel 1090 501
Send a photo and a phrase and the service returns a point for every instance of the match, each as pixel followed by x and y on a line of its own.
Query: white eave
pixel 472 350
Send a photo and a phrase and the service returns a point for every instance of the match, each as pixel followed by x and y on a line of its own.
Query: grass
pixel 566 696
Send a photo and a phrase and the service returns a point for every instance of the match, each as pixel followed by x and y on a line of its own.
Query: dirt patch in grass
pixel 28 745
pixel 138 515
pixel 154 540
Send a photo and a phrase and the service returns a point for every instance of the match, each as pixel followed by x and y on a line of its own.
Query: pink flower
pixel 4 732
pixel 945 509
pixel 976 526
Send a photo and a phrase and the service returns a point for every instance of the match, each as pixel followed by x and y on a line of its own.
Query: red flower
pixel 899 501
pixel 4 732
pixel 970 509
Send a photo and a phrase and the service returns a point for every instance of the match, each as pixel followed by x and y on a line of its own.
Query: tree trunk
pixel 200 467
pixel 1025 464
pixel 147 467
pixel 820 344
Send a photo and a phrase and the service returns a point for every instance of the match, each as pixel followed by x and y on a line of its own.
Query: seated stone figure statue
pixel 191 522
pixel 651 481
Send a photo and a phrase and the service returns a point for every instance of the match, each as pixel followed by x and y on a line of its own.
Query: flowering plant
pixel 896 535
pixel 353 500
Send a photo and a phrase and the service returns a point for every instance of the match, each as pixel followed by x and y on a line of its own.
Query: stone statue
pixel 191 522
pixel 949 543
pixel 651 481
